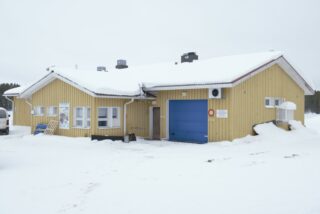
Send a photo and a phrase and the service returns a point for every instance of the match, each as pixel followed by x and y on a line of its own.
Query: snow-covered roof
pixel 215 72
pixel 14 91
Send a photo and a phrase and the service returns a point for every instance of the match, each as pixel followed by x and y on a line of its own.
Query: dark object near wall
pixel 132 137
pixel 189 57
pixel 121 64
pixel 102 68
pixel 312 103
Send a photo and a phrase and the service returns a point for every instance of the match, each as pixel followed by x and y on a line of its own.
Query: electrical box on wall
pixel 215 93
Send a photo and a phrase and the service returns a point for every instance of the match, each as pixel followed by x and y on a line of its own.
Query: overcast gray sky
pixel 38 33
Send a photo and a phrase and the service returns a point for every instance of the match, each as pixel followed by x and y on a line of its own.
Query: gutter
pixel 125 116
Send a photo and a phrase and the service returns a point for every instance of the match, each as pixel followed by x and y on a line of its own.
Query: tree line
pixel 312 103
pixel 4 103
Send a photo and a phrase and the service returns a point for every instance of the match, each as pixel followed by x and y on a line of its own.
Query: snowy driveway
pixel 263 174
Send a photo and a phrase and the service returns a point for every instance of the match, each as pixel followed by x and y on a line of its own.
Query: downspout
pixel 12 105
pixel 125 116
pixel 31 113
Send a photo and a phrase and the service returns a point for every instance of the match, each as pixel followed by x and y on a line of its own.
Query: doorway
pixel 156 123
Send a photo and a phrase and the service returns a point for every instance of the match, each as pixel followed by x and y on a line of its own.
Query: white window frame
pixel 84 118
pixel 271 102
pixel 111 123
pixel 39 111
pixel 281 100
pixel 103 119
pixel 50 111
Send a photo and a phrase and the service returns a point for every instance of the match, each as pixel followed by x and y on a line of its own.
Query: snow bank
pixel 52 174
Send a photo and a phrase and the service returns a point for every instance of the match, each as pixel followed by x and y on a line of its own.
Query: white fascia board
pixel 74 84
pixel 185 87
pixel 287 67
pixel 125 97
pixel 281 61
pixel 27 93
pixel 252 73
pixel 11 95
pixel 52 76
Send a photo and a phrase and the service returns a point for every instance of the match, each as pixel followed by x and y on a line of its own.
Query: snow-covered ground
pixel 275 172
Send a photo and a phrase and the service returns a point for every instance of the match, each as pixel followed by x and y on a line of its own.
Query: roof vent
pixel 121 64
pixel 102 68
pixel 189 57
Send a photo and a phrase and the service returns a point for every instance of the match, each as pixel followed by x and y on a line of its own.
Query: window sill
pixel 80 127
pixel 109 127
pixel 269 106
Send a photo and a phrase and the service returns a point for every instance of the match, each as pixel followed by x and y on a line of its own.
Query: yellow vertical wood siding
pixel 248 106
pixel 218 128
pixel 244 102
pixel 138 118
pixel 60 92
pixel 21 113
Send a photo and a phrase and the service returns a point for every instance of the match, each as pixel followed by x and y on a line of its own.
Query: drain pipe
pixel 125 116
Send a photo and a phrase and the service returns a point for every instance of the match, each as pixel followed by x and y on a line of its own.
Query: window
pixel 115 117
pixel 103 117
pixel 64 115
pixel 52 111
pixel 269 102
pixel 278 101
pixel 109 117
pixel 82 117
pixel 3 114
pixel 38 111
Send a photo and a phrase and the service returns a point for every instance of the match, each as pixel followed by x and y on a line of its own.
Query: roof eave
pixel 287 67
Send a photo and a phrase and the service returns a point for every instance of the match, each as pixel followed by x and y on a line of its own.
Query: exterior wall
pixel 22 113
pixel 248 106
pixel 244 102
pixel 59 92
pixel 138 118
pixel 218 128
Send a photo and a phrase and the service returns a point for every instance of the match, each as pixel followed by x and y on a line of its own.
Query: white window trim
pixel 109 118
pixel 52 115
pixel 118 116
pixel 271 102
pixel 99 119
pixel 84 117
pixel 281 100
pixel 41 114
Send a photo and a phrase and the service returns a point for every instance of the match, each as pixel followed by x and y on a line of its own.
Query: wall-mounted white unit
pixel 215 93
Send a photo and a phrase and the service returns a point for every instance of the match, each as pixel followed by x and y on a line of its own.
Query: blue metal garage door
pixel 188 120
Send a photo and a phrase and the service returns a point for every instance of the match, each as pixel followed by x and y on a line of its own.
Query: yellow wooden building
pixel 201 101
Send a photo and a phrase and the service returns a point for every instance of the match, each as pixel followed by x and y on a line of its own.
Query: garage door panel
pixel 188 120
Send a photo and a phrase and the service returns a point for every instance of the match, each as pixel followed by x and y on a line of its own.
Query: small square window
pixel 52 111
pixel 269 102
pixel 278 102
pixel 39 110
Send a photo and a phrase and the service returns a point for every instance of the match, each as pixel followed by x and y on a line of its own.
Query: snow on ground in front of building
pixel 275 172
